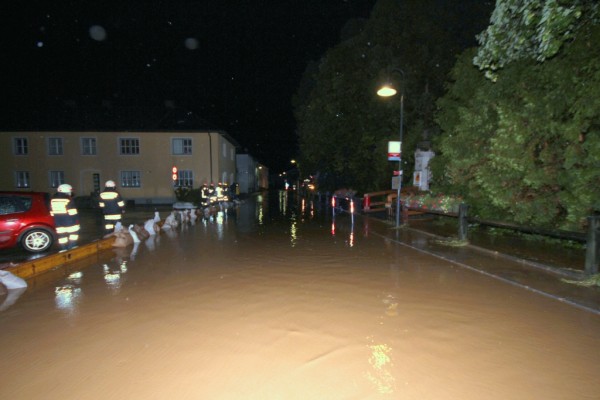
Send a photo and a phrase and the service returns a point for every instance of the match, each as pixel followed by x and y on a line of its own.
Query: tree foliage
pixel 343 126
pixel 526 147
pixel 531 30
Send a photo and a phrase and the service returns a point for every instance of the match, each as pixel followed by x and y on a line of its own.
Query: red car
pixel 25 221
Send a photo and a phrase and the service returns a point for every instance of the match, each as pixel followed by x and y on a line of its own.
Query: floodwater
pixel 280 300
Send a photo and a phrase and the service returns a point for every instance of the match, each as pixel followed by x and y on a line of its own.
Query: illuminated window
pixel 57 178
pixel 131 179
pixel 185 178
pixel 22 179
pixel 182 146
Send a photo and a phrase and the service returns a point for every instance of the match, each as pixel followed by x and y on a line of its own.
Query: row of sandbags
pixel 136 233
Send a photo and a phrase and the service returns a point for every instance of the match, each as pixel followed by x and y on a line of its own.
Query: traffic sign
pixel 394 151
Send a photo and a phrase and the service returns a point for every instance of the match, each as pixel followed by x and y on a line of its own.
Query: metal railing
pixel 591 238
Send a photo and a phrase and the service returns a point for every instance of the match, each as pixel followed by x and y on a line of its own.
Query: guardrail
pixel 591 238
pixel 376 201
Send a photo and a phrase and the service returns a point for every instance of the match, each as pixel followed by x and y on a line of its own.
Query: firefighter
pixel 212 195
pixel 112 206
pixel 204 195
pixel 219 192
pixel 66 218
pixel 225 192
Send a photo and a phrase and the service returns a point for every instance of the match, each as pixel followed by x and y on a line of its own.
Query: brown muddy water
pixel 284 302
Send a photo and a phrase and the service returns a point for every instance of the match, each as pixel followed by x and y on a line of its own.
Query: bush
pixel 187 194
pixel 435 202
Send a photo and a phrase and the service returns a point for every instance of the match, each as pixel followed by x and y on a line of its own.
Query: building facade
pixel 147 166
pixel 251 175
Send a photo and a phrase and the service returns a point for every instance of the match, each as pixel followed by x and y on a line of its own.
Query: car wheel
pixel 37 240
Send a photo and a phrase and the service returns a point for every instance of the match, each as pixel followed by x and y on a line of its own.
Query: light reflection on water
pixel 293 231
pixel 67 297
pixel 349 238
pixel 381 368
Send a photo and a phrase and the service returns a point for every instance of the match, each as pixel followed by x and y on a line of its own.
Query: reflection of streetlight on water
pixel 387 91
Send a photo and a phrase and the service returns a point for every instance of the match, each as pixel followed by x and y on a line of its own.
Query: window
pixel 224 150
pixel 232 152
pixel 182 146
pixel 88 146
pixel 130 146
pixel 22 179
pixel 185 178
pixel 55 146
pixel 131 179
pixel 96 182
pixel 20 146
pixel 14 204
pixel 57 178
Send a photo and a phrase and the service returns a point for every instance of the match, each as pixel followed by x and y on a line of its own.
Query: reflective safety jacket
pixel 111 203
pixel 212 194
pixel 66 218
pixel 204 195
pixel 219 192
pixel 225 192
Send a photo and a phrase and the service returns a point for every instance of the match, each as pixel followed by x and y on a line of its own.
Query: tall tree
pixel 531 29
pixel 533 137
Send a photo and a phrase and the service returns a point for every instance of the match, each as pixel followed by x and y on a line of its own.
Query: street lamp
pixel 388 91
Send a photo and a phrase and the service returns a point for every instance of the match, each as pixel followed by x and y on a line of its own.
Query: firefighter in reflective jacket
pixel 204 195
pixel 66 218
pixel 219 191
pixel 212 194
pixel 112 206
pixel 225 191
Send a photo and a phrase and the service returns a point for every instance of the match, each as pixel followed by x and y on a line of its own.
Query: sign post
pixel 395 154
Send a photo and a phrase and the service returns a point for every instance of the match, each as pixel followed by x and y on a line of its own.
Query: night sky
pixel 170 64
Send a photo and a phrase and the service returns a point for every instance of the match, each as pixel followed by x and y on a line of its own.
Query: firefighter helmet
pixel 110 184
pixel 65 188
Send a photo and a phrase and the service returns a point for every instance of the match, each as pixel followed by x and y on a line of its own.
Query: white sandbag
pixel 118 226
pixel 133 234
pixel 11 281
pixel 141 232
pixel 149 227
pixel 122 239
pixel 170 222
pixel 11 298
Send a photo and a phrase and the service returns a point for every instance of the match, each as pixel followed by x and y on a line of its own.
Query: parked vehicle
pixel 25 221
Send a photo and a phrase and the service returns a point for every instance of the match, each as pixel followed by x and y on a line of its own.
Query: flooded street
pixel 280 300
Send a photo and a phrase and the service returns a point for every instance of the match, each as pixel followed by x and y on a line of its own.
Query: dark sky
pixel 135 65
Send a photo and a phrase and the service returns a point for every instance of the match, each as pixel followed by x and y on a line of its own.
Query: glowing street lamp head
pixel 386 91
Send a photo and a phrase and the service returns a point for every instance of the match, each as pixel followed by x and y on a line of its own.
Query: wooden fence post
pixel 593 245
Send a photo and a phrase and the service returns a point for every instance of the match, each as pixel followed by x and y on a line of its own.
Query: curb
pixel 33 268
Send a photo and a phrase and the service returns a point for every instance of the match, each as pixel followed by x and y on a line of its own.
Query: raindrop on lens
pixel 97 33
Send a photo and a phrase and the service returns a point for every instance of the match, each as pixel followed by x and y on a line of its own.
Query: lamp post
pixel 388 91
